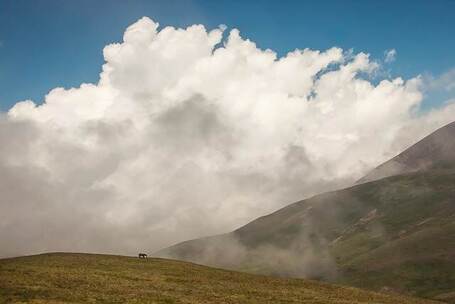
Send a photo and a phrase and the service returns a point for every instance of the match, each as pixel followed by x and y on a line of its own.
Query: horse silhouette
pixel 142 255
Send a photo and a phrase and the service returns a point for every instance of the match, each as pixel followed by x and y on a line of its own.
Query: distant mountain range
pixel 394 231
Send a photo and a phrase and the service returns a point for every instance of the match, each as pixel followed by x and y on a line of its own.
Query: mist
pixel 194 132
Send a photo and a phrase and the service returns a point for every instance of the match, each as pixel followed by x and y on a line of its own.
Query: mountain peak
pixel 436 150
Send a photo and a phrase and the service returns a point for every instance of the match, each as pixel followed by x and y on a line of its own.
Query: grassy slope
pixel 415 249
pixel 397 233
pixel 88 278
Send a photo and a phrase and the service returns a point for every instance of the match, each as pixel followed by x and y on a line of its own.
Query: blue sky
pixel 45 44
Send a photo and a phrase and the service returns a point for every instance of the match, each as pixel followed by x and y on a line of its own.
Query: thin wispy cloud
pixel 390 55
pixel 445 81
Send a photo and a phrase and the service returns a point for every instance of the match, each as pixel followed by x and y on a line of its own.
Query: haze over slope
pixel 88 278
pixel 437 150
pixel 396 233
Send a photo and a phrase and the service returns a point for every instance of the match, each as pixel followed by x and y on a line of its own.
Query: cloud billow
pixel 188 134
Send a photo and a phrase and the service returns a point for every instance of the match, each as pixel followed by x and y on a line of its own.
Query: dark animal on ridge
pixel 142 255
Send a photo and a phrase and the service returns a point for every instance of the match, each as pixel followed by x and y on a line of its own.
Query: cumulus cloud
pixel 188 134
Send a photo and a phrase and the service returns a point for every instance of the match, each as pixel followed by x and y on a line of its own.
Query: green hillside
pixel 89 278
pixel 395 234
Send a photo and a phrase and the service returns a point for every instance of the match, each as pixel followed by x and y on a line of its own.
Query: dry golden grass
pixel 89 278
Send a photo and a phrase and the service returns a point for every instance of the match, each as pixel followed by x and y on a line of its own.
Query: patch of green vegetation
pixel 89 278
pixel 426 279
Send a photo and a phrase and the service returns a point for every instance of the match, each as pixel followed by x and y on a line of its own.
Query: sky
pixel 44 44
pixel 129 126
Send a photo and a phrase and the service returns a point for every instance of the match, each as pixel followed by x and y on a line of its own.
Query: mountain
pixel 90 278
pixel 394 234
pixel 434 151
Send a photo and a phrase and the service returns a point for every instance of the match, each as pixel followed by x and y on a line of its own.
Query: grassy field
pixel 89 278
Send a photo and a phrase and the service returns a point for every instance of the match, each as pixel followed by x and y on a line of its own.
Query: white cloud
pixel 187 134
pixel 390 55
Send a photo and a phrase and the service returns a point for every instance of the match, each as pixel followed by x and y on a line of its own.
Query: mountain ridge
pixel 434 150
pixel 355 235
